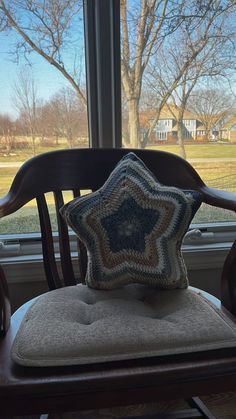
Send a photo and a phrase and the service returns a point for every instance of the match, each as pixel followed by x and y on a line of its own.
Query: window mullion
pixel 102 44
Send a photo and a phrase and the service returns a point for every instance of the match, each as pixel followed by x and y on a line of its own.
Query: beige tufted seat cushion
pixel 78 325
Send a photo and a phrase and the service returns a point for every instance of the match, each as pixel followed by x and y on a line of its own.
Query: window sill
pixel 22 254
pixel 19 268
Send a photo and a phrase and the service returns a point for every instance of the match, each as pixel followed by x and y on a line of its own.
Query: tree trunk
pixel 8 144
pixel 42 139
pixel 208 135
pixel 33 144
pixel 133 124
pixel 181 139
pixel 70 138
pixel 56 139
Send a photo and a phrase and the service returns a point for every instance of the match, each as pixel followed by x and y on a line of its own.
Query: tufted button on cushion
pixel 78 325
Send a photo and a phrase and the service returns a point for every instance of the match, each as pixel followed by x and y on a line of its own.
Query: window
pixel 101 48
pixel 187 122
pixel 87 35
pixel 163 135
pixel 43 102
pixel 156 81
pixel 188 134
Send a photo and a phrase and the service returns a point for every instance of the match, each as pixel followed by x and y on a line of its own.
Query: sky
pixel 47 78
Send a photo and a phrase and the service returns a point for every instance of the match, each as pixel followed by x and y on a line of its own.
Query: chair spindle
pixel 82 252
pixel 47 244
pixel 64 242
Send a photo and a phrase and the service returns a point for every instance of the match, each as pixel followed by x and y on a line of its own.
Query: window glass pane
pixel 178 86
pixel 43 89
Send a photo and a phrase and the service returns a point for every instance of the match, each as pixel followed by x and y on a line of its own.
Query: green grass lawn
pixel 217 174
pixel 193 151
pixel 25 154
pixel 211 151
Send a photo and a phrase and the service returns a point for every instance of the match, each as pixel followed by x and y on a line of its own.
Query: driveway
pixel 11 164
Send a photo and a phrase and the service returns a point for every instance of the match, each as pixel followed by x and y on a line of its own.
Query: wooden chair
pixel 52 390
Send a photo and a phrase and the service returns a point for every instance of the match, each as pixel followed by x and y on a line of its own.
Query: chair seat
pixel 79 325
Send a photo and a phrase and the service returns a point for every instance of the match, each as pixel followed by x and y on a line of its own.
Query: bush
pixel 19 145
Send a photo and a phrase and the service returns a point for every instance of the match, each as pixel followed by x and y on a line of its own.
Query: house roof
pixel 201 128
pixel 167 112
pixel 231 121
pixel 171 112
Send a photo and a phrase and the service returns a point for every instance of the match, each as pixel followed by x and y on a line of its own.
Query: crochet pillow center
pixel 133 227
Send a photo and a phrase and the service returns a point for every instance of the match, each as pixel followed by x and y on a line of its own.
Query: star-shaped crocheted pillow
pixel 132 228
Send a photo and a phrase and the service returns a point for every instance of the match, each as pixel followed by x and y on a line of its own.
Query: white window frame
pixel 204 247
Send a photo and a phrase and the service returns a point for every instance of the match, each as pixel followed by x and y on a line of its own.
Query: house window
pixel 161 135
pixel 187 122
pixel 188 134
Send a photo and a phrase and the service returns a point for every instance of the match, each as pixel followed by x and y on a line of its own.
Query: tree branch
pixel 43 54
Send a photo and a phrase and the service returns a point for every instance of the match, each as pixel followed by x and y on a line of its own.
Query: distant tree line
pixel 65 117
pixel 43 123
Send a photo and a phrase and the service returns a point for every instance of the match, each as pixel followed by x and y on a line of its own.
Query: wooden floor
pixel 223 406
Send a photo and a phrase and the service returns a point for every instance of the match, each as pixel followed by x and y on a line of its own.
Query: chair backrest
pixel 84 169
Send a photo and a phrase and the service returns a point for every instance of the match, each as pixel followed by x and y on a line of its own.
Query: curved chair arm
pixel 5 306
pixel 225 200
pixel 219 198
pixel 228 281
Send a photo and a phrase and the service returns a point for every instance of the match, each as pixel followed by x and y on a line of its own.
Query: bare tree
pixel 142 29
pixel 65 107
pixel 211 106
pixel 46 27
pixel 215 62
pixel 6 132
pixel 182 95
pixel 147 30
pixel 50 124
pixel 26 102
pixel 65 116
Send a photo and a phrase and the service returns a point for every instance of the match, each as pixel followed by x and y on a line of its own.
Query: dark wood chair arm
pixel 228 281
pixel 5 306
pixel 219 198
pixel 225 200
pixel 9 204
